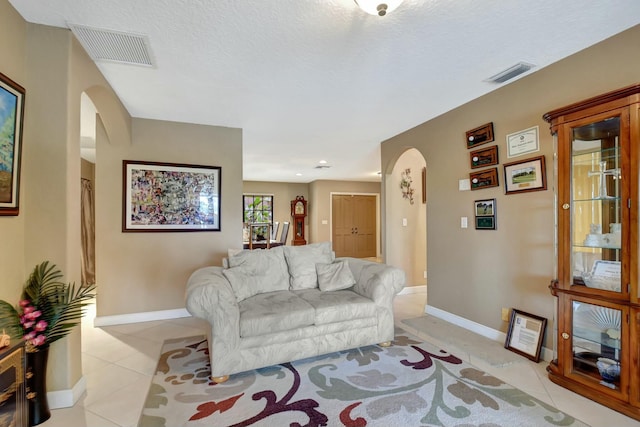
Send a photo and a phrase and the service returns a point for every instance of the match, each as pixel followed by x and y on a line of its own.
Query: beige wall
pixel 472 273
pixel 283 193
pixel 147 271
pixel 407 245
pixel 320 204
pixel 13 43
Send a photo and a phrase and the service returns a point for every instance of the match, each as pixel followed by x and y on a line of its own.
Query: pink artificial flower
pixel 33 315
pixel 29 324
pixel 41 326
pixel 24 302
pixel 28 309
pixel 39 340
pixel 31 335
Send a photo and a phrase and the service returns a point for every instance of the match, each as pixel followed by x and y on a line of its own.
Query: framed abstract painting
pixel 170 197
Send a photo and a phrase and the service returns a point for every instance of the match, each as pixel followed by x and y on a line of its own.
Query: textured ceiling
pixel 311 80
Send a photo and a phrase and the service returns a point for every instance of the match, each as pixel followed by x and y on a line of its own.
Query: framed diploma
pixel 523 142
pixel 525 334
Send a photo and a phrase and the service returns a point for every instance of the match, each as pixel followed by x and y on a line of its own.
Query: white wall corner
pixel 67 398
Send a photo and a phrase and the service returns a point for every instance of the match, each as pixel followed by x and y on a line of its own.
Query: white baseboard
pixel 66 398
pixel 485 331
pixel 120 319
pixel 420 289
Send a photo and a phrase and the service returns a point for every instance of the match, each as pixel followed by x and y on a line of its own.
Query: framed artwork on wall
pixel 484 179
pixel 525 175
pixel 480 135
pixel 170 197
pixel 485 214
pixel 11 119
pixel 485 157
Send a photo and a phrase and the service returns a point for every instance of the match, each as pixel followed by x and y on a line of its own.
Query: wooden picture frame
pixel 525 334
pixel 480 135
pixel 484 179
pixel 485 214
pixel 525 175
pixel 424 185
pixel 485 157
pixel 170 197
pixel 11 121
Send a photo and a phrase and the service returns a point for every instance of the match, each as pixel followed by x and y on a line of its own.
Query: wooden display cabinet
pixel 597 350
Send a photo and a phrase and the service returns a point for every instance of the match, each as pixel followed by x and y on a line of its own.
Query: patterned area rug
pixel 410 383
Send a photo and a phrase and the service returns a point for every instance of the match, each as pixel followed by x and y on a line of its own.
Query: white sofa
pixel 291 302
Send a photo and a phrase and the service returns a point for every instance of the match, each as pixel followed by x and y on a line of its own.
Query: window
pixel 258 208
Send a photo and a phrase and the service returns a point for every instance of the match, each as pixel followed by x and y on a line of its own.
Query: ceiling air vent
pixel 510 73
pixel 322 167
pixel 115 46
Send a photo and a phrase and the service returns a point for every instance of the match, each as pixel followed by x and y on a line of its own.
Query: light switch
pixel 325 222
pixel 404 222
pixel 463 222
pixel 464 185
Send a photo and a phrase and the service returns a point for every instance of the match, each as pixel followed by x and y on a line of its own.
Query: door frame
pixel 350 193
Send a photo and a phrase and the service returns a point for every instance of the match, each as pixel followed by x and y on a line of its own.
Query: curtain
pixel 87 233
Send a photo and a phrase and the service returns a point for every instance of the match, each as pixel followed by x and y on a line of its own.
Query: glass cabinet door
pixel 596 343
pixel 596 216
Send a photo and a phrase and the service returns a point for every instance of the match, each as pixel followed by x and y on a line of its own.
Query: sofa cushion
pixel 334 276
pixel 274 312
pixel 258 271
pixel 302 260
pixel 337 306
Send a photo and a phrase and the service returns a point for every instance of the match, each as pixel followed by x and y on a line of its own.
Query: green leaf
pixel 10 320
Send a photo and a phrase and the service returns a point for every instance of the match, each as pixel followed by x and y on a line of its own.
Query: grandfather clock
pixel 298 212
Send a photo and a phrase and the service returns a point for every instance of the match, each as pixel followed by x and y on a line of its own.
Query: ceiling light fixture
pixel 378 7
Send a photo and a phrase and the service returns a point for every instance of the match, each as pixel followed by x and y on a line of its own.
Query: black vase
pixel 37 385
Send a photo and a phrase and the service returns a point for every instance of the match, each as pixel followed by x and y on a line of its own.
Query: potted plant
pixel 48 310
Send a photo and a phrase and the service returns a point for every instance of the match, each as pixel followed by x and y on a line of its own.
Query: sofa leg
pixel 385 344
pixel 220 380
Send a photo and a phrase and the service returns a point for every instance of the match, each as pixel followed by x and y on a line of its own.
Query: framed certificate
pixel 523 142
pixel 525 334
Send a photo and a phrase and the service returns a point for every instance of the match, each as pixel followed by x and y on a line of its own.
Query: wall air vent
pixel 114 46
pixel 510 73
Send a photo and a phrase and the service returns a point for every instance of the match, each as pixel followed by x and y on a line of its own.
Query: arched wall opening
pixel 405 184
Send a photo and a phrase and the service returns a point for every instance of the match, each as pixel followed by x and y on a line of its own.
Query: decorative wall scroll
pixel 405 185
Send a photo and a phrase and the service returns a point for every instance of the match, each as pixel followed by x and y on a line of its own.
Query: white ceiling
pixel 311 80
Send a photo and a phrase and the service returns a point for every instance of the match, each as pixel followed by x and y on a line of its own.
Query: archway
pixel 406 218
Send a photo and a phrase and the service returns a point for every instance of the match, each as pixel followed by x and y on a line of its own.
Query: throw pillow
pixel 245 285
pixel 302 261
pixel 334 277
pixel 258 271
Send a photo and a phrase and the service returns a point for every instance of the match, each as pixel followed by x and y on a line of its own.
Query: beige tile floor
pixel 118 363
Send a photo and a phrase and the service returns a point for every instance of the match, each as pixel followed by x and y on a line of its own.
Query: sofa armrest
pixel 209 296
pixel 376 281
